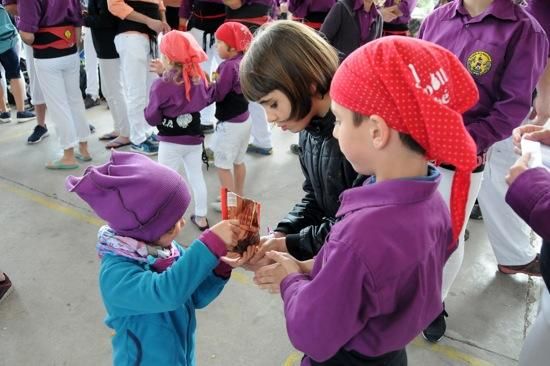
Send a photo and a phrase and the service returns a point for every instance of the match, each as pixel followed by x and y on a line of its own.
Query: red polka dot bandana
pixel 419 89
pixel 235 35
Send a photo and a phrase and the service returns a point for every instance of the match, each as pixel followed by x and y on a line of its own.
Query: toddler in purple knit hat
pixel 150 284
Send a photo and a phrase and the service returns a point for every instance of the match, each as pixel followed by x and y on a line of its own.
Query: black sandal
pixel 201 228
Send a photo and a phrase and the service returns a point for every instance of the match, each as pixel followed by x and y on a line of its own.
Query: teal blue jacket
pixel 8 32
pixel 153 314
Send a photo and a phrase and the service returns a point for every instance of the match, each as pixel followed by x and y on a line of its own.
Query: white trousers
pixel 90 60
pixel 37 97
pixel 113 91
pixel 508 234
pixel 452 267
pixel 535 350
pixel 209 66
pixel 134 52
pixel 63 97
pixel 261 130
pixel 172 155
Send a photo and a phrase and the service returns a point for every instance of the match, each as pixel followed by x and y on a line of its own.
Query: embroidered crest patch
pixel 479 63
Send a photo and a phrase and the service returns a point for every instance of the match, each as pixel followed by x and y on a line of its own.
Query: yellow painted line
pixel 450 353
pixel 53 205
pixel 241 278
pixel 292 359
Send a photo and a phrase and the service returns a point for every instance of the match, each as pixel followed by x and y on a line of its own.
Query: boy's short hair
pixel 405 138
pixel 290 57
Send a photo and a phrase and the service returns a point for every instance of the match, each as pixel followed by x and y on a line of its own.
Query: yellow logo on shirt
pixel 68 34
pixel 479 63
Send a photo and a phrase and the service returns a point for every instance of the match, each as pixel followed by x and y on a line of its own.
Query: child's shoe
pixel 146 148
pixel 6 288
pixel 436 330
pixel 25 116
pixel 37 135
pixel 259 150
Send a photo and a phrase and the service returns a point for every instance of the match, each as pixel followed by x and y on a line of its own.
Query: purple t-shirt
pixel 228 81
pixel 365 19
pixel 351 300
pixel 36 14
pixel 301 8
pixel 504 50
pixel 167 99
pixel 405 6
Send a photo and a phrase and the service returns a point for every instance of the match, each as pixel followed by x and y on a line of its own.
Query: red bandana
pixel 181 47
pixel 419 89
pixel 235 35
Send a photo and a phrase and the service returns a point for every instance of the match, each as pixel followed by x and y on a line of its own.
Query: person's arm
pixel 227 73
pixel 299 8
pixel 542 100
pixel 406 8
pixel 333 22
pixel 123 11
pixel 185 14
pixel 157 100
pixel 11 7
pixel 132 290
pixel 529 197
pixel 318 322
pixel 99 16
pixel 514 92
pixel 27 23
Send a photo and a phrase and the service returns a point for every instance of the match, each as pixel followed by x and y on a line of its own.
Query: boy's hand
pixel 268 243
pixel 521 165
pixel 390 13
pixel 236 260
pixel 228 231
pixel 270 277
pixel 156 66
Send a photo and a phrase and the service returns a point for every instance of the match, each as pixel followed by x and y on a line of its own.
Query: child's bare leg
pixel 18 94
pixel 226 179
pixel 3 106
pixel 239 171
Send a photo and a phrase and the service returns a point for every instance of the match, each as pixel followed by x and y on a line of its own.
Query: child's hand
pixel 270 277
pixel 228 231
pixel 156 66
pixel 521 165
pixel 236 260
pixel 268 243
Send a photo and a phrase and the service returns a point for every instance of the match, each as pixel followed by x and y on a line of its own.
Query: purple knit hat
pixel 137 197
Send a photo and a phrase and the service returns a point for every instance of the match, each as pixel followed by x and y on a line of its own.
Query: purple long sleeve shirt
pixel 167 99
pixel 505 51
pixel 187 5
pixel 227 81
pixel 376 283
pixel 301 8
pixel 540 10
pixel 405 6
pixel 36 14
pixel 365 19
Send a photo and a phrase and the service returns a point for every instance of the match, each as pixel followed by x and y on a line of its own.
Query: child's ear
pixel 379 132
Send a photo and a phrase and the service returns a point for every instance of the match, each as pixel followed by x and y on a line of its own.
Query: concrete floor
pixel 55 315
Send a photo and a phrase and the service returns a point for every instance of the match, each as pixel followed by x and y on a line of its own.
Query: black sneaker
pixel 92 128
pixel 295 149
pixel 5 117
pixel 25 116
pixel 37 135
pixel 90 102
pixel 145 148
pixel 207 128
pixel 476 212
pixel 436 330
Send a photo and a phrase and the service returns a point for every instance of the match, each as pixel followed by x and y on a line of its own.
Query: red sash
pixel 65 37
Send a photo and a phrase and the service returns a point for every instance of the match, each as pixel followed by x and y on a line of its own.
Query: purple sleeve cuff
pixel 289 280
pixel 214 243
pixel 223 270
pixel 523 194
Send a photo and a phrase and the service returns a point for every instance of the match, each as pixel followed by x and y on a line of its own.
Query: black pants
pixel 352 358
pixel 172 17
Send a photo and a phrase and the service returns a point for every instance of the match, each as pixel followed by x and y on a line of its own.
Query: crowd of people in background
pixel 374 105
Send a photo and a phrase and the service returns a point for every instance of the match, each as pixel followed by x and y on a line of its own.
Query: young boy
pixel 150 284
pixel 233 129
pixel 385 254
